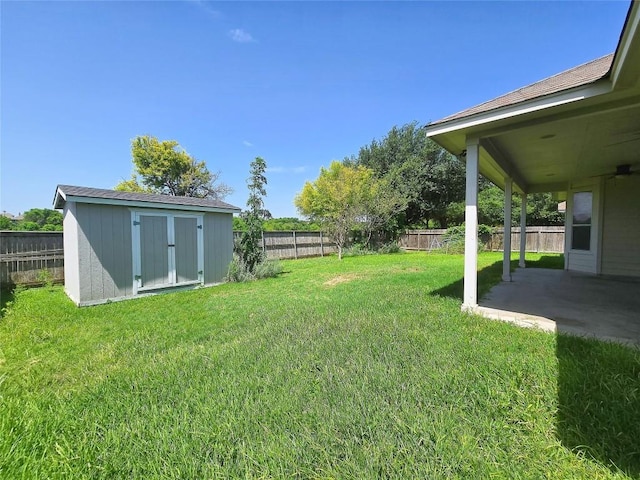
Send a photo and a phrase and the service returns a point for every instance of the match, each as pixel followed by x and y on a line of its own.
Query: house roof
pixel 575 77
pixel 571 127
pixel 65 193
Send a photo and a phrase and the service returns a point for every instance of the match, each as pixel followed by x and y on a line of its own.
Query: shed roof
pixel 574 77
pixel 65 193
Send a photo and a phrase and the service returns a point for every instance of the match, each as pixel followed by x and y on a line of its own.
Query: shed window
pixel 581 228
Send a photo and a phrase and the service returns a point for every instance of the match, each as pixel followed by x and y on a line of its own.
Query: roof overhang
pixel 546 142
pixel 61 198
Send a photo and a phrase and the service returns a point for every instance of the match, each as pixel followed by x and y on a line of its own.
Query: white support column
pixel 470 299
pixel 523 230
pixel 506 257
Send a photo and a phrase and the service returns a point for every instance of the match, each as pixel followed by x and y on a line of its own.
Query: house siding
pixel 621 229
pixel 104 250
pixel 218 246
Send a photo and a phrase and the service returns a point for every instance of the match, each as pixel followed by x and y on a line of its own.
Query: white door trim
pixel 171 250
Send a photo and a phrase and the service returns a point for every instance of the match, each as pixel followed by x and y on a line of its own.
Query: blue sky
pixel 297 83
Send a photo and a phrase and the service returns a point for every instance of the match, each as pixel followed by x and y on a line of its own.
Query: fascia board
pixel 628 40
pixel 59 199
pixel 523 108
pixel 156 205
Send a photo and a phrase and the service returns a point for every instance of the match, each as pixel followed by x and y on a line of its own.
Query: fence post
pixel 295 246
pixel 321 245
pixel 264 246
pixel 538 240
pixel 418 240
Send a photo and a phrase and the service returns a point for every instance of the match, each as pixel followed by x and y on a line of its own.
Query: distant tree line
pixel 36 219
pixel 279 225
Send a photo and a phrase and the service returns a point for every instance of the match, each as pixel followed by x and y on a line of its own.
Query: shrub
pixel 391 247
pixel 357 250
pixel 45 277
pixel 239 271
pixel 454 238
pixel 267 269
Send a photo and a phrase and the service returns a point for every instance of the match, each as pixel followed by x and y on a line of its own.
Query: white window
pixel 581 224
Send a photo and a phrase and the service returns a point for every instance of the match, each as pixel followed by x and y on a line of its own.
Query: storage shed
pixel 120 245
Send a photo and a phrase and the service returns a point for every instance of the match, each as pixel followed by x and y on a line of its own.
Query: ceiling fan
pixel 622 171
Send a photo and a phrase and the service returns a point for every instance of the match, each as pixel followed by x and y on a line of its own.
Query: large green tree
pixel 542 209
pixel 425 174
pixel 6 223
pixel 44 218
pixel 165 167
pixel 347 197
pixel 34 220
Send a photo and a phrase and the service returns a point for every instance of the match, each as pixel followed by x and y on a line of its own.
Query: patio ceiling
pixel 573 126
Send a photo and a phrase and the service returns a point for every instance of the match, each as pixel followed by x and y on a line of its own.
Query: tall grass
pixel 363 368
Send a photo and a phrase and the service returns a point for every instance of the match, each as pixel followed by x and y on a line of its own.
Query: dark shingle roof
pixel 575 77
pixel 73 191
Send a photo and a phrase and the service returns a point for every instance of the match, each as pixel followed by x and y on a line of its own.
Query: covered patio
pixel 577 135
pixel 568 302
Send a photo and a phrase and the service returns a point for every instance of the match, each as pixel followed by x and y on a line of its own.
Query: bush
pixel 454 238
pixel 267 269
pixel 239 271
pixel 391 247
pixel 357 250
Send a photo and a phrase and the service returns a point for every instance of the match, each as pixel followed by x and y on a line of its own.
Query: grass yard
pixel 364 368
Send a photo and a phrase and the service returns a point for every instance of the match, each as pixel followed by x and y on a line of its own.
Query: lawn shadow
pixel 7 295
pixel 487 278
pixel 547 261
pixel 599 401
pixel 490 276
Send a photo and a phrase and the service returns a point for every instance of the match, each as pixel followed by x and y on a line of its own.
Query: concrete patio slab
pixel 570 302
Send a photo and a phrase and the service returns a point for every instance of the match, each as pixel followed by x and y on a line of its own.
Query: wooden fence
pixel 25 255
pixel 539 239
pixel 295 244
pixel 431 239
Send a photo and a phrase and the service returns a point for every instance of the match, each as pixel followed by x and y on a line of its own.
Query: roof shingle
pixel 70 190
pixel 575 77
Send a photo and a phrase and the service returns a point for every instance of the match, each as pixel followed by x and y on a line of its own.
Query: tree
pixel 41 219
pixel 421 171
pixel 541 209
pixel 5 223
pixel 343 198
pixel 250 242
pixel 166 168
pixel 290 223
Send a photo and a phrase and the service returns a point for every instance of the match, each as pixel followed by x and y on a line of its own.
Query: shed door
pixel 154 255
pixel 186 249
pixel 167 250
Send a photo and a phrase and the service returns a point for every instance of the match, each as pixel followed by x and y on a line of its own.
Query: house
pixel 121 245
pixel 575 134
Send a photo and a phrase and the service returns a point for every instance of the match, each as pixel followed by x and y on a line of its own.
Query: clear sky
pixel 297 83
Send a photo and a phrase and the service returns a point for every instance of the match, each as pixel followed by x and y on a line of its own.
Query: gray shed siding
pixel 70 244
pixel 104 252
pixel 103 249
pixel 218 246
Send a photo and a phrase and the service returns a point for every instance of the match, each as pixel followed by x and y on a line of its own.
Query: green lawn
pixel 364 368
